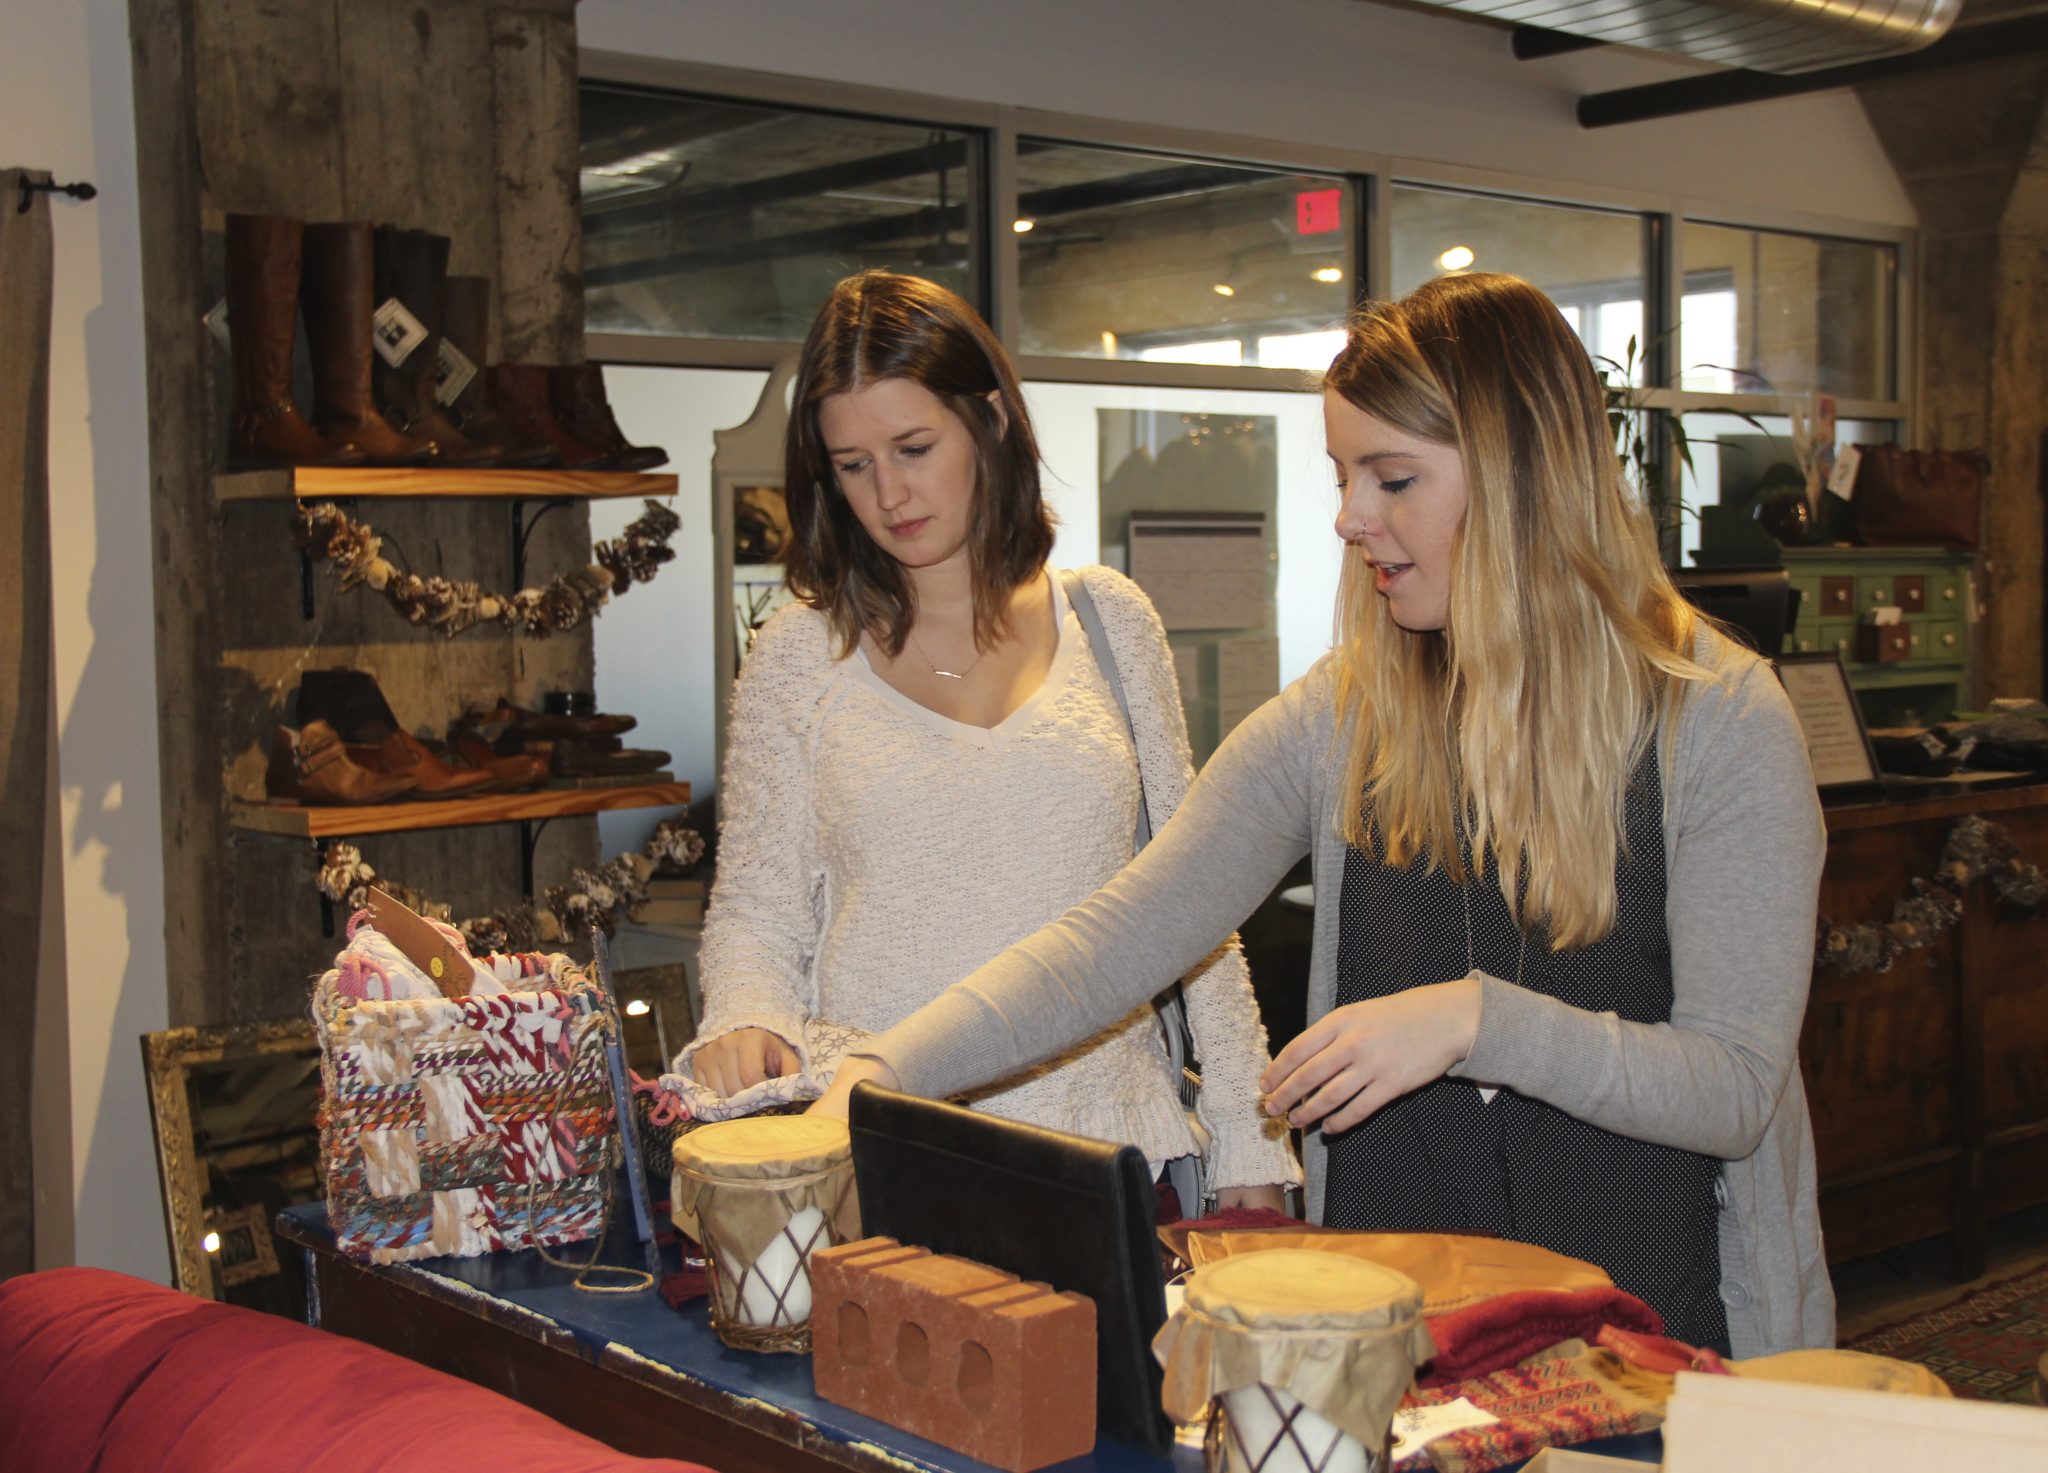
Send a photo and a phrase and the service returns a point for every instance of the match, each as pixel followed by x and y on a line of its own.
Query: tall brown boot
pixel 263 309
pixel 412 265
pixel 520 393
pixel 577 392
pixel 337 289
pixel 466 324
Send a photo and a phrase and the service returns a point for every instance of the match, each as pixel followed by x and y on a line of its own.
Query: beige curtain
pixel 25 680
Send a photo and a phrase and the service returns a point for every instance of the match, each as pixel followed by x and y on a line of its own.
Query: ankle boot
pixel 520 393
pixel 576 390
pixel 348 700
pixel 466 324
pixel 337 288
pixel 412 265
pixel 263 310
pixel 402 752
pixel 310 766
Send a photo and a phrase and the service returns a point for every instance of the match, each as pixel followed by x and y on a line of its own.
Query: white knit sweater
pixel 873 852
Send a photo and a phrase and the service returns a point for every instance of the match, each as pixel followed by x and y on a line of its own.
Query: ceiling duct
pixel 1763 35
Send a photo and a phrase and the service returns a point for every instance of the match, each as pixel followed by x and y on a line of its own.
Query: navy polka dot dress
pixel 1444 1159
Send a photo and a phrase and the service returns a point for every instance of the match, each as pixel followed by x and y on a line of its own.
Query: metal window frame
pixel 1370 175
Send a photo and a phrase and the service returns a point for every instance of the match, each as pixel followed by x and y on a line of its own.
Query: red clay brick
pixel 958 1353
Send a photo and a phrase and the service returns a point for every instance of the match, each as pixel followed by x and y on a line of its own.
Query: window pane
pixel 1112 450
pixel 714 219
pixel 1787 313
pixel 1592 263
pixel 1742 461
pixel 1132 255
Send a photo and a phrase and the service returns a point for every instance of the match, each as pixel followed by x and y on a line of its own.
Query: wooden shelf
pixel 316 482
pixel 299 822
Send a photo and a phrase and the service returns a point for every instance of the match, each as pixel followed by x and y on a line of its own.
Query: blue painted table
pixel 634 1373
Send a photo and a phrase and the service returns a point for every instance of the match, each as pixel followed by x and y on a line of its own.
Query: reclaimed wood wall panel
pixel 381 110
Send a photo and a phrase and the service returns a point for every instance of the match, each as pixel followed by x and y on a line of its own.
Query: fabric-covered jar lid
pixel 1341 1335
pixel 764 1148
pixel 1285 1289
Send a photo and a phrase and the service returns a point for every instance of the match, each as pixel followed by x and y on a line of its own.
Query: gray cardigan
pixel 1743 848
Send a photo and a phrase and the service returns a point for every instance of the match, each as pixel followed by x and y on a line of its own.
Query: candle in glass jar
pixel 781 1270
pixel 1256 1413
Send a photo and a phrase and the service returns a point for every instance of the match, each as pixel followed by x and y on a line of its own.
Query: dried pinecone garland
pixel 1976 849
pixel 449 606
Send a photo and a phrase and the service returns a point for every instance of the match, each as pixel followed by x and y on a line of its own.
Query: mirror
pixel 750 527
pixel 235 1112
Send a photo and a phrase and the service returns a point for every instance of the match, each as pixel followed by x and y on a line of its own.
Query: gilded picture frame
pixel 171 1060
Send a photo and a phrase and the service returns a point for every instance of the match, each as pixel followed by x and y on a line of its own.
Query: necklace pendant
pixel 946 674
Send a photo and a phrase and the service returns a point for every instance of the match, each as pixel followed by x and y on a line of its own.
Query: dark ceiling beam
pixel 1532 43
pixel 1990 42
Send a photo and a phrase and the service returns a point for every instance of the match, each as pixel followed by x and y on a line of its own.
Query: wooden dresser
pixel 1929 1082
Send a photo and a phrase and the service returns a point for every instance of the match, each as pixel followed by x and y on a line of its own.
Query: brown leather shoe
pixel 506 726
pixel 509 774
pixel 519 393
pixel 312 766
pixel 402 752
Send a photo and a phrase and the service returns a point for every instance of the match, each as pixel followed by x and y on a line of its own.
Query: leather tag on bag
pixel 419 943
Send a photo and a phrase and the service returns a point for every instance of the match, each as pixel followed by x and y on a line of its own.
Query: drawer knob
pixel 1948 593
pixel 1948 639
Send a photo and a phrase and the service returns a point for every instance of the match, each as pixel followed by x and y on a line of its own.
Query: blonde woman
pixel 1566 847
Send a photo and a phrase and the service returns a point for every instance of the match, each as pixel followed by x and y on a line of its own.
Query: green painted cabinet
pixel 1911 673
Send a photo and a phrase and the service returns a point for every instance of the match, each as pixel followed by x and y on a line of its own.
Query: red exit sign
pixel 1319 211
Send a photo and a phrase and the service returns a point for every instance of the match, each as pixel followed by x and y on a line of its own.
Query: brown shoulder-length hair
pixel 877 326
pixel 1566 642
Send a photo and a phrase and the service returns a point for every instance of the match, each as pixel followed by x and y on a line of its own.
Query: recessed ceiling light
pixel 1329 273
pixel 211 1242
pixel 1457 258
pixel 637 1008
pixel 1023 227
pixel 1224 289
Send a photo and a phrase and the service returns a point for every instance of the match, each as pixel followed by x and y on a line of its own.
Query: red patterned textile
pixel 1554 1403
pixel 1509 1328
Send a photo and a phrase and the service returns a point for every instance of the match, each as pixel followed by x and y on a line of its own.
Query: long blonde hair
pixel 1565 642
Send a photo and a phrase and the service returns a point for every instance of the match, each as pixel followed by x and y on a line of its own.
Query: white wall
pixel 1331 72
pixel 66 106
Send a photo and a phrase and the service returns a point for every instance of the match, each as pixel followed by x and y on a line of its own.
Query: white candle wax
pixel 780 1270
pixel 1255 1413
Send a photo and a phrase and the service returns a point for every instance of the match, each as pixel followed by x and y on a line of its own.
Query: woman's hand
pixel 737 1060
pixel 852 1070
pixel 1351 1061
pixel 1273 1197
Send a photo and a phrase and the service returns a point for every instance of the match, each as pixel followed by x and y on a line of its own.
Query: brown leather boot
pixel 576 390
pixel 402 752
pixel 263 309
pixel 519 391
pixel 509 774
pixel 311 766
pixel 466 324
pixel 337 287
pixel 412 265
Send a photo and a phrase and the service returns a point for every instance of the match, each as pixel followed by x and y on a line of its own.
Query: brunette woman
pixel 1566 849
pixel 926 761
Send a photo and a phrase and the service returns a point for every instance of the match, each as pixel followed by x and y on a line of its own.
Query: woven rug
pixel 1986 1345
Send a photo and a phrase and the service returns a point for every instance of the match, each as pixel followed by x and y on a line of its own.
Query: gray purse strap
pixel 1171 1006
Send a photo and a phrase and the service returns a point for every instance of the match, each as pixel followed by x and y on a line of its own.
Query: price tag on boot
pixel 452 373
pixel 396 332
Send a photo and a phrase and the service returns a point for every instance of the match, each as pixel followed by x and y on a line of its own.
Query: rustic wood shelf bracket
pixel 530 831
pixel 522 532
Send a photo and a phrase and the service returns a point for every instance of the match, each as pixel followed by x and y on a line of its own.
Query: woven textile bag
pixel 466 1125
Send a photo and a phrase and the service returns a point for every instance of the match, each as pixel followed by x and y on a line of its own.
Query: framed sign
pixel 1837 741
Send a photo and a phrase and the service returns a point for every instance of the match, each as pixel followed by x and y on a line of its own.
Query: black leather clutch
pixel 1064 1210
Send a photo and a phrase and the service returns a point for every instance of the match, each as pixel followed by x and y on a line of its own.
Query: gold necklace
pixel 945 674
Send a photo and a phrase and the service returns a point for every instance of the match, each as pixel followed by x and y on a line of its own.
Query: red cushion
pixel 102 1371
